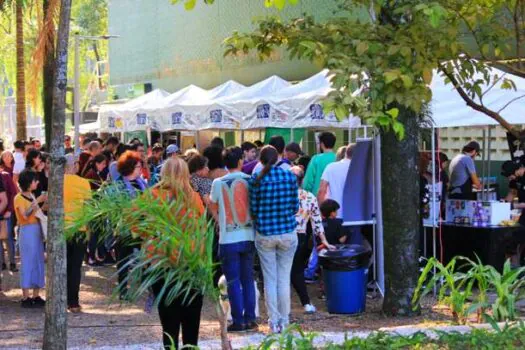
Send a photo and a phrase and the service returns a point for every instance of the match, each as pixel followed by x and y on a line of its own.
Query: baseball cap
pixel 293 147
pixel 473 145
pixel 172 149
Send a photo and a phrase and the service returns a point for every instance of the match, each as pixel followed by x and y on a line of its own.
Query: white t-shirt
pixel 335 174
pixel 20 163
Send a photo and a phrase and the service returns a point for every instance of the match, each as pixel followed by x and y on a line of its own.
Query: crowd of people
pixel 272 207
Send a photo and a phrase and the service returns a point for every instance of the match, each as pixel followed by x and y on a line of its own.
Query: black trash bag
pixel 346 257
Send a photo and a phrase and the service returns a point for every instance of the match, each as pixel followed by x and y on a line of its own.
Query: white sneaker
pixel 275 328
pixel 309 309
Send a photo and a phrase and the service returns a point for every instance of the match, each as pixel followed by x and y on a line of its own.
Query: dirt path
pixel 103 323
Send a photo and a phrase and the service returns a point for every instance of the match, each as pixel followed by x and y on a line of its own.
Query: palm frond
pixel 176 243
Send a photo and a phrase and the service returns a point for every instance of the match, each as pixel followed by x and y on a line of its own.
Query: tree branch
pixel 480 108
pixel 511 101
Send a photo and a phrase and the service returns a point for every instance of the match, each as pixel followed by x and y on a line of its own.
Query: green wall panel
pixel 170 47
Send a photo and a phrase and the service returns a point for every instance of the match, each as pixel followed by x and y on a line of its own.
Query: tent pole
pixel 291 135
pixel 433 208
pixel 483 164
pixel 489 142
pixel 197 140
pixel 379 215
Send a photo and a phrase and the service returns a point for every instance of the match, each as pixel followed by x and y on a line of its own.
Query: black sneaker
pixel 251 326
pixel 233 328
pixel 26 303
pixel 13 268
pixel 4 267
pixel 39 302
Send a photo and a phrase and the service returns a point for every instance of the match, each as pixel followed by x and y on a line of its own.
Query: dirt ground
pixel 105 322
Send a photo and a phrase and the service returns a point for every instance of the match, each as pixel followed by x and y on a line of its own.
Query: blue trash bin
pixel 345 275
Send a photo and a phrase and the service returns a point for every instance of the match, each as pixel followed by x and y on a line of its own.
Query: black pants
pixel 124 249
pixel 176 314
pixel 297 275
pixel 96 246
pixel 75 255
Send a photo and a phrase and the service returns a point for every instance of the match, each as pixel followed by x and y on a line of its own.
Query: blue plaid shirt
pixel 275 202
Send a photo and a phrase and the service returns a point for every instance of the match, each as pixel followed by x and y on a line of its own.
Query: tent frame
pixel 378 271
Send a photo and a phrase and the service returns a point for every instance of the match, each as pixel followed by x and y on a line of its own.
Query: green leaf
pixel 190 4
pixel 427 76
pixel 399 129
pixel 407 81
pixel 308 44
pixel 341 112
pixel 279 4
pixel 361 48
pixel 390 76
pixel 394 112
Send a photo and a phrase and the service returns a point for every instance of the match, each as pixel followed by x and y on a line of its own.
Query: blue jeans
pixel 311 269
pixel 237 266
pixel 10 244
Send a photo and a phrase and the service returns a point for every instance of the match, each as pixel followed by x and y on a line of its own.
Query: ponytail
pixel 269 157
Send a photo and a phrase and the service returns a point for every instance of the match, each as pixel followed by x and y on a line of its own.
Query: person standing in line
pixel 215 162
pixel 276 142
pixel 312 183
pixel 198 166
pixel 463 174
pixel 19 159
pixel 76 191
pixel 274 202
pixel 249 157
pixel 68 148
pixel 230 202
pixel 85 160
pixel 32 266
pixel 180 312
pixel 110 148
pixel 340 154
pixel 308 213
pixel 319 162
pixel 292 152
pixel 333 180
pixel 156 157
pixel 130 182
pixel 35 162
pixel 6 174
pixel 217 142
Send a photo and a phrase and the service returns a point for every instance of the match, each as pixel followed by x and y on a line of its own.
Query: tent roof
pixel 318 85
pixel 150 99
pixel 449 109
pixel 260 90
pixel 228 88
pixel 188 95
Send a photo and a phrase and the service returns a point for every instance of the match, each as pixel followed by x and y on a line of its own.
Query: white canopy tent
pixel 449 109
pixel 303 102
pixel 185 109
pixel 252 107
pixel 132 115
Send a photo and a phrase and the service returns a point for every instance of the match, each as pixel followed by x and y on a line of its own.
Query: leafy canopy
pixel 383 53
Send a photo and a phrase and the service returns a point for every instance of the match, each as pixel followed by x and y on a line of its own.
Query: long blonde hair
pixel 175 177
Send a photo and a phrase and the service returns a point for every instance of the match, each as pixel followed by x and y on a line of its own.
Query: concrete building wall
pixel 170 47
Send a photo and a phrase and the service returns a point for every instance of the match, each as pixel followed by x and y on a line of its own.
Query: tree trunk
pixel 21 118
pixel 55 329
pixel 400 192
pixel 48 79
